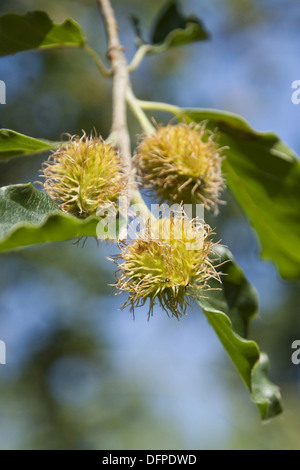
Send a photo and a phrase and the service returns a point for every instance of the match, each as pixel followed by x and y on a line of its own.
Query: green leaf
pixel 229 311
pixel 35 30
pixel 264 176
pixel 29 217
pixel 12 144
pixel 172 28
pixel 137 27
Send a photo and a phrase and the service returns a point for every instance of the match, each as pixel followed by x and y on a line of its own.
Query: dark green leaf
pixel 174 29
pixel 264 176
pixel 229 311
pixel 136 23
pixel 12 144
pixel 35 30
pixel 28 216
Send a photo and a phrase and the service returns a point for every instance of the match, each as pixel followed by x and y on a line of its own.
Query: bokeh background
pixel 80 373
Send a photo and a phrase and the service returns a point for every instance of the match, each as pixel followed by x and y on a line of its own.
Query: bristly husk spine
pixel 83 174
pixel 182 163
pixel 157 266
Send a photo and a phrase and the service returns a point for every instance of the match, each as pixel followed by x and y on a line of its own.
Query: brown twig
pixel 121 93
pixel 120 86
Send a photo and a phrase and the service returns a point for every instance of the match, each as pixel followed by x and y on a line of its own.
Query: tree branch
pixel 101 66
pixel 139 55
pixel 120 83
pixel 121 91
pixel 138 112
pixel 155 106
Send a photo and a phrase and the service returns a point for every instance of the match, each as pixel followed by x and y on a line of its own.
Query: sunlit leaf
pixel 29 216
pixel 264 175
pixel 35 30
pixel 13 144
pixel 229 311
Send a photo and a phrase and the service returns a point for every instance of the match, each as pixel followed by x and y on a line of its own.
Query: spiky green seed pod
pixel 84 174
pixel 168 263
pixel 182 163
